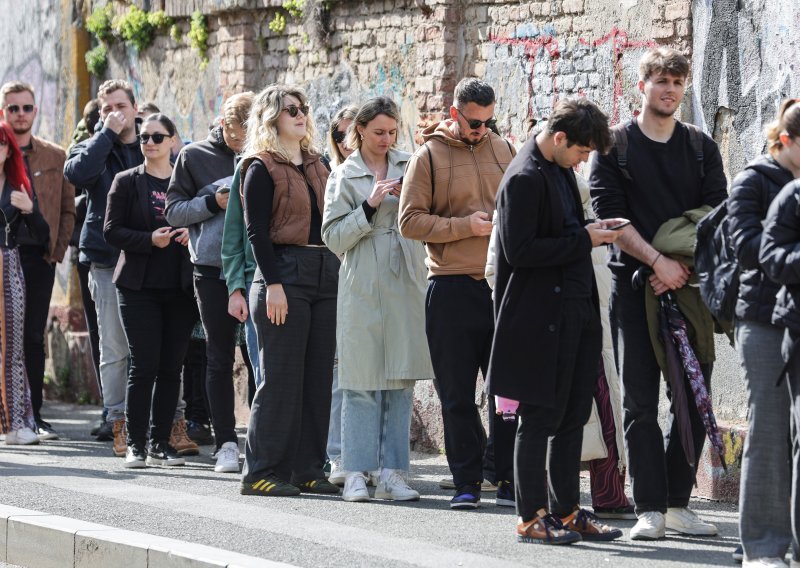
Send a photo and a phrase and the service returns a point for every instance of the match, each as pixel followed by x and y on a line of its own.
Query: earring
pixel 362 136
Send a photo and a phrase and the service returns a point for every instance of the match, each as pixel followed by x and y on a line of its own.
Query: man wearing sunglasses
pixel 447 201
pixel 92 166
pixel 56 197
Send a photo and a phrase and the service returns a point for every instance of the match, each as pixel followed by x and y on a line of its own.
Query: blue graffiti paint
pixel 529 30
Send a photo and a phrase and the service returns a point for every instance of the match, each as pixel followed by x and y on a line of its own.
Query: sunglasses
pixel 294 109
pixel 338 136
pixel 14 109
pixel 475 124
pixel 158 138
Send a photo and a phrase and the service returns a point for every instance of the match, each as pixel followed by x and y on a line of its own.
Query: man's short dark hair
pixel 583 122
pixel 115 85
pixel 663 60
pixel 472 90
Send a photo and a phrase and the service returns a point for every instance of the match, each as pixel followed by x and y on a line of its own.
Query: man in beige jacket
pixel 56 196
pixel 447 201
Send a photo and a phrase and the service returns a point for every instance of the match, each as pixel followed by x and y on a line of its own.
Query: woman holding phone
pixel 381 313
pixel 153 279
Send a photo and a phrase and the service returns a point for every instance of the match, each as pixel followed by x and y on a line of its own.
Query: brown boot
pixel 544 528
pixel 589 526
pixel 181 441
pixel 120 435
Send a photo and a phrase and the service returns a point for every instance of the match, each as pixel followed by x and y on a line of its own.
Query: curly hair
pixel 262 129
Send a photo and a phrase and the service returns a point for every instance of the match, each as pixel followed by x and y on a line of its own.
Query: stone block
pixel 43 541
pixel 663 31
pixel 98 549
pixel 714 481
pixel 677 10
pixel 572 6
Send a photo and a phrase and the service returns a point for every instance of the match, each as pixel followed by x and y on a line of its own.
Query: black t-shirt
pixel 578 275
pixel 164 264
pixel 259 191
pixel 666 183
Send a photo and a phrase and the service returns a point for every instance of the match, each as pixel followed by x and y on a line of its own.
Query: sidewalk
pixel 194 507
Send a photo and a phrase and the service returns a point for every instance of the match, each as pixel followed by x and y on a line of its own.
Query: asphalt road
pixel 78 477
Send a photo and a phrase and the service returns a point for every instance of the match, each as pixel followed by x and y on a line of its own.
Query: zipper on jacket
pixel 478 175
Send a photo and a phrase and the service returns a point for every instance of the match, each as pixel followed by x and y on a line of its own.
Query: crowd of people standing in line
pixel 353 275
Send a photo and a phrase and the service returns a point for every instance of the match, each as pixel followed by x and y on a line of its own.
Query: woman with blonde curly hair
pixel 293 297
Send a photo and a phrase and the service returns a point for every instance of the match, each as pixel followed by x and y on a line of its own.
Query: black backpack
pixel 620 137
pixel 716 266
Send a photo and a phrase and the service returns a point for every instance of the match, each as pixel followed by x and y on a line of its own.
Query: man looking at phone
pixel 92 166
pixel 668 168
pixel 447 201
pixel 197 197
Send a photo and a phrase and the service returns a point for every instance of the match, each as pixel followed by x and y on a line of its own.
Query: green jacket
pixel 238 262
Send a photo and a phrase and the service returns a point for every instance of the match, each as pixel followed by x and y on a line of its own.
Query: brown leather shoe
pixel 545 529
pixel 120 435
pixel 589 526
pixel 181 441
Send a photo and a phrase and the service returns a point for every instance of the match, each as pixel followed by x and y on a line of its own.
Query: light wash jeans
pixel 375 429
pixel 334 448
pixel 114 353
pixel 766 481
pixel 251 340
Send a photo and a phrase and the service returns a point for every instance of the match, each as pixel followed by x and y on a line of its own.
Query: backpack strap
pixel 620 137
pixel 696 139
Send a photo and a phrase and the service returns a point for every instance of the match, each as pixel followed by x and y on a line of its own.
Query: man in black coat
pixel 548 339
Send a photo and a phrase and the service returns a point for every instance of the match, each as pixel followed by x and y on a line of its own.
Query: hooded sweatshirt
pixel 200 170
pixel 435 203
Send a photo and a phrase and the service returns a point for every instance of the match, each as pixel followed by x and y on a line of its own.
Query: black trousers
pixel 39 278
pixel 220 330
pixel 789 346
pixel 580 342
pixel 158 324
pixel 660 475
pixel 194 382
pixel 459 322
pixel 90 313
pixel 291 410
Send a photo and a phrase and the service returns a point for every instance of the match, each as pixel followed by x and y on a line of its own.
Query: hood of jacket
pixel 216 139
pixel 443 132
pixel 770 168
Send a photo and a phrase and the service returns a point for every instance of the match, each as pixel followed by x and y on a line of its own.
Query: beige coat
pixel 380 318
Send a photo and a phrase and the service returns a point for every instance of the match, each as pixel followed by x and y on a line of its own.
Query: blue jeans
pixel 251 340
pixel 375 429
pixel 334 448
pixel 114 350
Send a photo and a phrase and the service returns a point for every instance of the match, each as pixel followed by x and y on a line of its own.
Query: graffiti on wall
pixel 746 60
pixel 534 67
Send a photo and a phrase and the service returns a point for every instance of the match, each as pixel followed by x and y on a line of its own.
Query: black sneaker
pixel 161 453
pixel 99 423
pixel 270 486
pixel 467 497
pixel 199 433
pixel 738 554
pixel 106 432
pixel 625 513
pixel 45 431
pixel 135 456
pixel 319 486
pixel 505 494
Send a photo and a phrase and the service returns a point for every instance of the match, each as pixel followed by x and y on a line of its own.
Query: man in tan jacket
pixel 447 201
pixel 56 197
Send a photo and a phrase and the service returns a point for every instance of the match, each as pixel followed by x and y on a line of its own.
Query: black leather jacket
pixel 752 191
pixel 12 218
pixel 780 254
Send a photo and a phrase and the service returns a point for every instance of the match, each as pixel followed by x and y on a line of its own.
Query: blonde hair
pixel 346 113
pixel 788 121
pixel 15 87
pixel 262 129
pixel 236 108
pixel 368 111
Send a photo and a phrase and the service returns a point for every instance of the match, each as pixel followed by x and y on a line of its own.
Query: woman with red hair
pixel 17 207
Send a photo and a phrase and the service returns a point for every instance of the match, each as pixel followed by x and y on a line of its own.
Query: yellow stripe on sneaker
pixel 269 487
pixel 259 484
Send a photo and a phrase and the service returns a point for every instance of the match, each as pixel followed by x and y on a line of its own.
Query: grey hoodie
pixel 200 170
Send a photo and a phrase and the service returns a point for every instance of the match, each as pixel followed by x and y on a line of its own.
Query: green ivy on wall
pixel 198 37
pixel 97 60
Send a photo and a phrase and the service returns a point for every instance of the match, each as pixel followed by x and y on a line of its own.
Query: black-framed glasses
pixel 338 136
pixel 158 138
pixel 294 109
pixel 475 124
pixel 14 109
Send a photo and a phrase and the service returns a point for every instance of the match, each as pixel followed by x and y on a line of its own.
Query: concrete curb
pixel 38 540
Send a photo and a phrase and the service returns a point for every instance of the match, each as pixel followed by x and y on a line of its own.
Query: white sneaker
pixel 764 563
pixel 373 477
pixel 337 475
pixel 686 521
pixel 227 458
pixel 394 488
pixel 650 526
pixel 22 437
pixel 355 488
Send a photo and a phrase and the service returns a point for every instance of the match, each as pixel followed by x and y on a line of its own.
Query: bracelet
pixel 652 264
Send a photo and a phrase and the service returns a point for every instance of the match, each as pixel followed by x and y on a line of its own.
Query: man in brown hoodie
pixel 56 196
pixel 447 201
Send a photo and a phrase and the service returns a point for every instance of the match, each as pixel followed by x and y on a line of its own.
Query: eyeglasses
pixel 294 109
pixel 14 109
pixel 475 124
pixel 158 138
pixel 338 136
